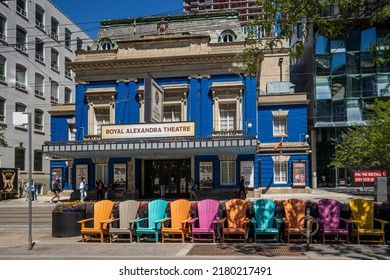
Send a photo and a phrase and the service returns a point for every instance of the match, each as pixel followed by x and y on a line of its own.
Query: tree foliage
pixel 280 16
pixel 366 146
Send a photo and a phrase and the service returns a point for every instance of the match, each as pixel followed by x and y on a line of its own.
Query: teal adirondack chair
pixel 156 213
pixel 266 225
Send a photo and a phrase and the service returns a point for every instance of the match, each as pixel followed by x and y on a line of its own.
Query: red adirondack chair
pixel 204 227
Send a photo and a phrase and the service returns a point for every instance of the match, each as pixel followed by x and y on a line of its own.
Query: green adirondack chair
pixel 156 213
pixel 266 225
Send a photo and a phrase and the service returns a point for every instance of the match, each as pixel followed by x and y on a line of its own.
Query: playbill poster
pixel 120 175
pixel 81 172
pixel 206 174
pixel 248 173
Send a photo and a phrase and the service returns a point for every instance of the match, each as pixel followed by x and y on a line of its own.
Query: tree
pixel 362 147
pixel 280 16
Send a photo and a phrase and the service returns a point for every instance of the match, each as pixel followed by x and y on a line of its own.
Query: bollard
pixel 308 233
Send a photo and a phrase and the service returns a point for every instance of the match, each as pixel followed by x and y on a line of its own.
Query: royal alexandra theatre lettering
pixel 148 130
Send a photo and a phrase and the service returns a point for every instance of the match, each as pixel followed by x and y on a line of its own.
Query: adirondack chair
pixel 266 225
pixel 294 210
pixel 363 227
pixel 102 211
pixel 235 225
pixel 331 224
pixel 204 227
pixel 178 221
pixel 156 212
pixel 128 213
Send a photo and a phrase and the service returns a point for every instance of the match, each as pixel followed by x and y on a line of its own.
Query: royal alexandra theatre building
pixel 160 100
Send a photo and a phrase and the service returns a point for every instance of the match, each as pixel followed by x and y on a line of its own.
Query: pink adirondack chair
pixel 332 225
pixel 204 227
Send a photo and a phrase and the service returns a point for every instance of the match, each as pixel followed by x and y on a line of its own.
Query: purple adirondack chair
pixel 204 227
pixel 330 221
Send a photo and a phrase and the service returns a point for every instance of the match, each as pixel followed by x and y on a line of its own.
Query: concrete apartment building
pixel 36 40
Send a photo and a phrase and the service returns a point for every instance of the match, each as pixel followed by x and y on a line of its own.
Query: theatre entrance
pixel 167 178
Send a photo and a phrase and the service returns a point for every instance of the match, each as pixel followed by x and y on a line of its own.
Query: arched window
pixel 106 44
pixel 227 36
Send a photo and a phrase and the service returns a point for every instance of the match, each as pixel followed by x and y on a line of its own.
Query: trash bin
pixel 380 193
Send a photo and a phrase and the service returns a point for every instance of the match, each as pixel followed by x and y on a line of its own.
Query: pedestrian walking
pixel 243 190
pixel 99 189
pixel 56 189
pixel 26 191
pixel 83 189
pixel 193 187
pixel 35 189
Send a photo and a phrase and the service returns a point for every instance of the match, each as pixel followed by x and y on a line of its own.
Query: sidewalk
pixel 13 244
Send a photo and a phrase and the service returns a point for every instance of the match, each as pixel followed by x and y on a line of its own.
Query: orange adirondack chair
pixel 363 222
pixel 102 214
pixel 294 210
pixel 235 225
pixel 178 221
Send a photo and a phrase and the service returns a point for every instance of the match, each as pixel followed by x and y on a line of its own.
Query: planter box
pixel 64 224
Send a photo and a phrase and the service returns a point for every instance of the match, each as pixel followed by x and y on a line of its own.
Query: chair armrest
pixel 346 221
pixel 356 222
pixel 246 222
pixel 186 221
pixel 286 222
pixel 192 221
pixel 278 222
pixel 383 223
pixel 110 221
pixel 137 221
pixel 254 222
pixel 85 220
pixel 162 221
pixel 131 223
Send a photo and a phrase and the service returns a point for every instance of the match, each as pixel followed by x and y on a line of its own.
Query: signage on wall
pixel 9 180
pixel 154 98
pixel 147 130
pixel 120 175
pixel 56 174
pixel 81 172
pixel 206 174
pixel 299 173
pixel 367 176
pixel 248 173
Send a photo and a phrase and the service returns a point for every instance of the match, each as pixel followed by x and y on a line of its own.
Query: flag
pixel 278 146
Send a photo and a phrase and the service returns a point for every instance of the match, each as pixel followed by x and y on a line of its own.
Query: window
pixel 68 38
pixel 39 17
pixel 68 95
pixel 2 68
pixel 39 81
pixel 2 110
pixel 71 132
pixel 38 120
pixel 38 160
pixel 105 44
pixel 19 158
pixel 3 22
pixel 228 172
pixel 280 172
pixel 21 36
pixel 21 72
pixel 227 36
pixel 227 108
pixel 279 123
pixel 54 91
pixel 79 44
pixel 39 47
pixel 299 30
pixel 227 116
pixel 172 113
pixel 54 29
pixel 102 116
pixel 19 107
pixel 68 72
pixel 21 7
pixel 54 59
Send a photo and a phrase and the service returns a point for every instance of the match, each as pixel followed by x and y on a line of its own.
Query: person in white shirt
pixel 83 189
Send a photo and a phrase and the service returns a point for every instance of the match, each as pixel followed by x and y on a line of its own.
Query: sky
pixel 87 14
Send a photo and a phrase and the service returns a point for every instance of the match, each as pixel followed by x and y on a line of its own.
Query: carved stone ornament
pixel 162 27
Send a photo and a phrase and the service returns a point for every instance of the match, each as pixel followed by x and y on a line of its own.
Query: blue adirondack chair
pixel 156 213
pixel 266 225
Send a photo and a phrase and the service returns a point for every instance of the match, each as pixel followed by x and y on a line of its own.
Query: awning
pixel 146 148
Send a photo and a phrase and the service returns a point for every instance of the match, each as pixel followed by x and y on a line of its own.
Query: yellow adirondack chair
pixel 363 222
pixel 235 226
pixel 102 212
pixel 178 221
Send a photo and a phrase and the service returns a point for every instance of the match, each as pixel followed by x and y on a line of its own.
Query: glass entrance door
pixel 167 178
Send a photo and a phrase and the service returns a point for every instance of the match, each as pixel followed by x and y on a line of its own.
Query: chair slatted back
pixel 363 210
pixel 180 211
pixel 102 211
pixel 264 211
pixel 127 211
pixel 329 213
pixel 294 210
pixel 156 211
pixel 236 213
pixel 207 212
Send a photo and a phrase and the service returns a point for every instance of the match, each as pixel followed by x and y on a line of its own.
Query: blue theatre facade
pixel 163 101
